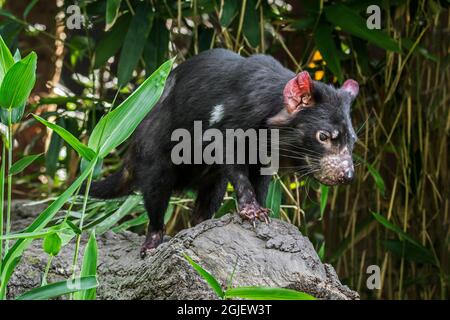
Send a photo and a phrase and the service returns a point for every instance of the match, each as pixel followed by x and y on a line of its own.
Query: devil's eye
pixel 323 136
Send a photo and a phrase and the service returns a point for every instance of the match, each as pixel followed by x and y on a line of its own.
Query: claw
pixel 254 211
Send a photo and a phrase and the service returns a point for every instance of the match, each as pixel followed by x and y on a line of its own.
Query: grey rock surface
pixel 274 255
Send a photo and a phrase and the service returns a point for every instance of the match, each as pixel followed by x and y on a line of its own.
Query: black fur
pixel 251 91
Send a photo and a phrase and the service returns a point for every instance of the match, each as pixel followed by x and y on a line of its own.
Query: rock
pixel 274 255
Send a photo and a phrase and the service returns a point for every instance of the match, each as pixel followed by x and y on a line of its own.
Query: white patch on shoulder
pixel 216 114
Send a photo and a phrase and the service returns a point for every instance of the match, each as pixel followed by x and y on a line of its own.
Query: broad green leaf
pixel 134 43
pixel 6 59
pixel 344 17
pixel 39 223
pixel 88 268
pixel 123 210
pixel 18 82
pixel 273 199
pixel 112 41
pixel 16 115
pixel 229 12
pixel 112 11
pixel 21 164
pixel 213 283
pixel 60 288
pixel 157 46
pixel 79 147
pixel 323 198
pixel 265 293
pixel 323 38
pixel 251 23
pixel 119 124
pixel 52 244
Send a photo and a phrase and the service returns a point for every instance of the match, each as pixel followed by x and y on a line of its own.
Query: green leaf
pixel 157 46
pixel 60 288
pixel 27 235
pixel 409 251
pixel 229 12
pixel 139 220
pixel 228 206
pixel 344 17
pixel 39 223
pixel 6 59
pixel 79 147
pixel 21 164
pixel 323 199
pixel 213 283
pixel 89 268
pixel 112 11
pixel 18 82
pixel 273 200
pixel 119 124
pixel 123 210
pixel 389 225
pixel 16 115
pixel 52 154
pixel 251 24
pixel 134 43
pixel 379 182
pixel 168 214
pixel 264 293
pixel 321 252
pixel 112 41
pixel 323 38
pixel 52 244
pixel 8 270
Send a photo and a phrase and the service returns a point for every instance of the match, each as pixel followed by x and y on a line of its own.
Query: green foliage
pixel 254 293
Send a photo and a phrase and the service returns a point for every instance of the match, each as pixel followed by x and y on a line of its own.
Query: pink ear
pixel 351 86
pixel 298 92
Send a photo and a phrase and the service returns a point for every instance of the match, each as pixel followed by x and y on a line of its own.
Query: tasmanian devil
pixel 222 90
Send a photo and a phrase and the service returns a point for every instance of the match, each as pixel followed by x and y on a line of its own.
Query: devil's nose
pixel 349 174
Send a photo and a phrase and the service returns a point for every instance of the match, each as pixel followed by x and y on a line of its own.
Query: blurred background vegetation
pixel 395 215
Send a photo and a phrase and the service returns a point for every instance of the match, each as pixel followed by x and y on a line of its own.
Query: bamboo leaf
pixel 6 59
pixel 21 164
pixel 273 200
pixel 265 293
pixel 18 82
pixel 79 147
pixel 123 210
pixel 323 199
pixel 134 43
pixel 213 283
pixel 60 288
pixel 344 17
pixel 323 38
pixel 251 24
pixel 38 224
pixel 89 268
pixel 112 11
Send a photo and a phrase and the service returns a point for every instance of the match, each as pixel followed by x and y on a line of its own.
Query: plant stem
pixel 2 198
pixel 47 268
pixel 10 152
pixel 83 211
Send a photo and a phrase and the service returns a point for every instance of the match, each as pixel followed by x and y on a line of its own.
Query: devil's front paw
pixel 253 211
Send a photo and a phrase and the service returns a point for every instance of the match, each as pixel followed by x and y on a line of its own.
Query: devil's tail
pixel 116 185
